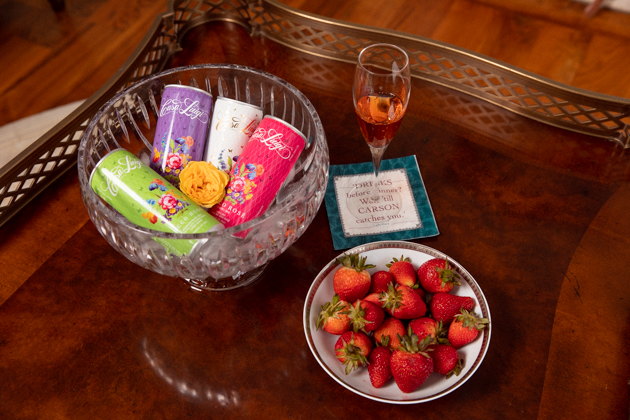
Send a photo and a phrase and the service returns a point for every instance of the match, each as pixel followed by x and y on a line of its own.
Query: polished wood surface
pixel 537 215
pixel 50 59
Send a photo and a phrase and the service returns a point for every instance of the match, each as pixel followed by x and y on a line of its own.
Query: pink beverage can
pixel 181 130
pixel 233 123
pixel 260 171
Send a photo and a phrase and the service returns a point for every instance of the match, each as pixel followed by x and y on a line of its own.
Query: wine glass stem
pixel 377 155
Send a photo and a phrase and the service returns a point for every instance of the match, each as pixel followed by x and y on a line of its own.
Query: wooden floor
pixel 50 59
pixel 551 38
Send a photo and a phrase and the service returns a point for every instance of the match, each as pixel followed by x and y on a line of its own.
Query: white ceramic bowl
pixel 322 343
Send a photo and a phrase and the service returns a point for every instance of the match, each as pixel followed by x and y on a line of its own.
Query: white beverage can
pixel 233 123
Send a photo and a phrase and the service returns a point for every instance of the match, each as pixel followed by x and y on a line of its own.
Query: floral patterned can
pixel 181 130
pixel 233 123
pixel 260 171
pixel 145 198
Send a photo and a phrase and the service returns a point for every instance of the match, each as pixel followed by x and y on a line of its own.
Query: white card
pixel 394 212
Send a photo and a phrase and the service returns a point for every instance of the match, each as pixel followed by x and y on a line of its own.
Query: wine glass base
pixel 211 284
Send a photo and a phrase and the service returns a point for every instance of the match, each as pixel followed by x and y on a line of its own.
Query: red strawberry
pixel 352 349
pixel 352 280
pixel 446 361
pixel 379 366
pixel 375 298
pixel 420 291
pixel 428 327
pixel 389 330
pixel 465 328
pixel 403 271
pixel 403 302
pixel 380 281
pixel 445 306
pixel 410 364
pixel 333 317
pixel 365 316
pixel 436 275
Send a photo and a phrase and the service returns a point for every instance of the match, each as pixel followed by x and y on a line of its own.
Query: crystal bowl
pixel 221 260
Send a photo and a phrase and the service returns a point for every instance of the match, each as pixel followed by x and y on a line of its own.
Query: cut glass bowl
pixel 221 260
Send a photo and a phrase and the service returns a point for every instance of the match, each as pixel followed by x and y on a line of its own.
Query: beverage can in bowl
pixel 260 171
pixel 181 130
pixel 148 200
pixel 233 123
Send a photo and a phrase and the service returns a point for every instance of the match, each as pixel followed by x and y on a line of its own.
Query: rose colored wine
pixel 379 116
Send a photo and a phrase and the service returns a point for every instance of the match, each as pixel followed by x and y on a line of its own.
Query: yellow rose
pixel 203 183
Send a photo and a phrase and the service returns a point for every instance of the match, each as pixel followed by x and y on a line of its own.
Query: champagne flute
pixel 380 92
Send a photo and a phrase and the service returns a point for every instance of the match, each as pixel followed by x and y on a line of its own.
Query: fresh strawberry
pixel 389 330
pixel 333 317
pixel 365 316
pixel 379 366
pixel 436 275
pixel 375 298
pixel 428 327
pixel 445 306
pixel 465 328
pixel 403 271
pixel 352 280
pixel 380 281
pixel 403 302
pixel 420 291
pixel 411 365
pixel 446 361
pixel 352 349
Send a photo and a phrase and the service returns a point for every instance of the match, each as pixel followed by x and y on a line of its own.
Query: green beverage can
pixel 148 200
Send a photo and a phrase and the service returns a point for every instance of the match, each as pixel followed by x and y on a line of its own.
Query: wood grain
pixel 50 59
pixel 551 38
pixel 57 58
pixel 591 320
pixel 537 214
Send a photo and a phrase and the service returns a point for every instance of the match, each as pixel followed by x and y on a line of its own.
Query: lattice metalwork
pixel 498 83
pixel 529 95
pixel 188 13
pixel 297 31
pixel 53 154
pixel 517 90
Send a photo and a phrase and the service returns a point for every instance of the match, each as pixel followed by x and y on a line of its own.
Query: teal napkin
pixel 427 226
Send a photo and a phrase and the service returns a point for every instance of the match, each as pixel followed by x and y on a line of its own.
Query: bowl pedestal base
pixel 211 284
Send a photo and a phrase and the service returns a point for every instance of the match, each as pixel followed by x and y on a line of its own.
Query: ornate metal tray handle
pixel 521 92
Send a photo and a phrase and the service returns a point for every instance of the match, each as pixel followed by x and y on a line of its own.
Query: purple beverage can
pixel 181 130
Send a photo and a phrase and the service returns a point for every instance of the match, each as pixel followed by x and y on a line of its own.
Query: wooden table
pixel 538 215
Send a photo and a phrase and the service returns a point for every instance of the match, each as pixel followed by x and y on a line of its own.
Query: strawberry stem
pixel 357 317
pixel 352 355
pixel 330 310
pixel 355 262
pixel 395 260
pixel 457 369
pixel 447 275
pixel 411 343
pixel 471 321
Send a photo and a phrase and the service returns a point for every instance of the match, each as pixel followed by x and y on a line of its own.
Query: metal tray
pixel 517 90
